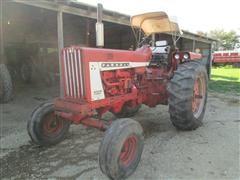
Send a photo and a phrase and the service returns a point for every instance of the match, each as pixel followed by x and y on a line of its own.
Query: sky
pixel 201 15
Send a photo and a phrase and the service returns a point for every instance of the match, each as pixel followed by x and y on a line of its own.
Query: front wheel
pixel 45 128
pixel 121 148
pixel 188 95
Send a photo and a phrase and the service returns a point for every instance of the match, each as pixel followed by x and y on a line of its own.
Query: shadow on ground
pixel 222 86
pixel 76 155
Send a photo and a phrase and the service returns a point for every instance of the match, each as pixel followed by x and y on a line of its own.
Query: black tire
pixel 115 161
pixel 188 95
pixel 45 128
pixel 127 111
pixel 6 87
pixel 26 72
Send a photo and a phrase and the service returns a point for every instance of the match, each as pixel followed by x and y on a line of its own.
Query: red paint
pixel 128 151
pixel 130 86
pixel 196 100
pixel 192 56
pixel 226 57
pixel 52 124
pixel 78 119
pixel 195 56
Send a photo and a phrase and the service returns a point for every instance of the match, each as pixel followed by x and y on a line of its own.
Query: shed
pixel 33 31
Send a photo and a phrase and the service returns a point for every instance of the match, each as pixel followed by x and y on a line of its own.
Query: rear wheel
pixel 6 86
pixel 26 72
pixel 121 149
pixel 45 128
pixel 188 95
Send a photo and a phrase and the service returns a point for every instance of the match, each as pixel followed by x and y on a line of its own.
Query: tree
pixel 227 40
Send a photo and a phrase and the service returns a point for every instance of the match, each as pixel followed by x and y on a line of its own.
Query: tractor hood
pixel 154 22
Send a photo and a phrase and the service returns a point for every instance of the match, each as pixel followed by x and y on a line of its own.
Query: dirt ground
pixel 210 152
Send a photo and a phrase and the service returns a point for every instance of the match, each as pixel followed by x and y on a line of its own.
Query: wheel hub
pixel 199 94
pixel 128 151
pixel 52 124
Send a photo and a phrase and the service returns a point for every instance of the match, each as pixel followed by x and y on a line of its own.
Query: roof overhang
pixel 77 8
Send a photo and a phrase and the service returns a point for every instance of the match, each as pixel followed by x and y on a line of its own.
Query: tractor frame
pixel 97 80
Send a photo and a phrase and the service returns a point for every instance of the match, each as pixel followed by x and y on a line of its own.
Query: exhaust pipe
pixel 99 27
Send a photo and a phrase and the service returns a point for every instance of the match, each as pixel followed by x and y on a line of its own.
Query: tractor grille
pixel 73 76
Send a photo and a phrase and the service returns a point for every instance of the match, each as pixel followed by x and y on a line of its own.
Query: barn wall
pixel 30 24
pixel 118 36
pixel 31 37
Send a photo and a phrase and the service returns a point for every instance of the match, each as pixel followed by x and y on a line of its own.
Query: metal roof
pixel 89 11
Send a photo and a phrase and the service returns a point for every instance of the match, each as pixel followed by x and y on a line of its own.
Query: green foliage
pixel 228 40
pixel 225 80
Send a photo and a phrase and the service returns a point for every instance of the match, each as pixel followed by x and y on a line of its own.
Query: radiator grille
pixel 73 76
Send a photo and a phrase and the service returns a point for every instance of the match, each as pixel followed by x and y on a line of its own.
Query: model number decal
pixel 97 92
pixel 110 65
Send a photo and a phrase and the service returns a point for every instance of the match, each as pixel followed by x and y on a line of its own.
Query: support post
pixel 60 45
pixel 153 40
pixel 1 33
pixel 87 32
pixel 209 63
pixel 193 47
pixel 99 27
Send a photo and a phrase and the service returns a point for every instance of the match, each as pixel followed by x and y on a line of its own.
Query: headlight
pixel 185 56
pixel 176 56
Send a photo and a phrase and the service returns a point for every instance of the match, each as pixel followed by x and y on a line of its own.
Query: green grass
pixel 225 80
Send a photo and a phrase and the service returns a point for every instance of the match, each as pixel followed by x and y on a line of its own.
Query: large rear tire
pixel 121 149
pixel 45 128
pixel 6 87
pixel 26 72
pixel 188 95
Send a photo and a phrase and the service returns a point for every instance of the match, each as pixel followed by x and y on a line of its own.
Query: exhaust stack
pixel 99 27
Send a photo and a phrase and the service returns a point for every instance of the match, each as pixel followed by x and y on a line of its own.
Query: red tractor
pixel 97 80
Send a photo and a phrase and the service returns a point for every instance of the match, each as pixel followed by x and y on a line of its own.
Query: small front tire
pixel 121 148
pixel 45 128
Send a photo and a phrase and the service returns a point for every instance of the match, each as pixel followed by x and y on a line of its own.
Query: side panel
pixel 81 69
pixel 95 68
pixel 97 92
pixel 96 60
